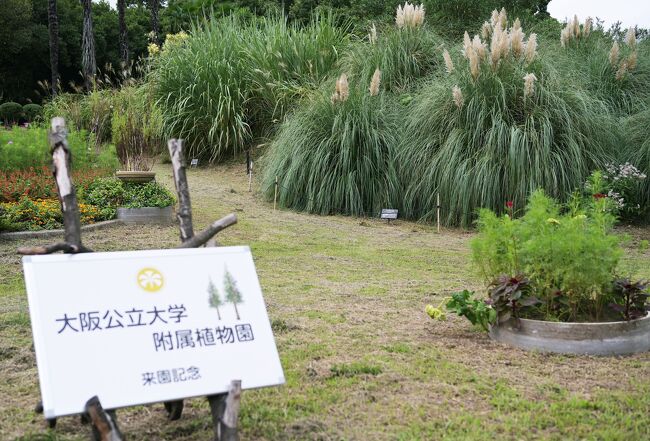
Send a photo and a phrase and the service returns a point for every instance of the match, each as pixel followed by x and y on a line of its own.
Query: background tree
pixel 214 297
pixel 88 61
pixel 53 26
pixel 154 7
pixel 232 292
pixel 124 36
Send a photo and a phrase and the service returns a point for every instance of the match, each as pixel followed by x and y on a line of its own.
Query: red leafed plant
pixel 37 182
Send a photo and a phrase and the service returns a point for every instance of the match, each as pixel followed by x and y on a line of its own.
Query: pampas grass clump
pixel 336 156
pixel 403 55
pixel 509 126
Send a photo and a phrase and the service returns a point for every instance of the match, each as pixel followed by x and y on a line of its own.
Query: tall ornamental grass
pixel 231 80
pixel 499 125
pixel 637 132
pixel 336 154
pixel 404 56
pixel 615 70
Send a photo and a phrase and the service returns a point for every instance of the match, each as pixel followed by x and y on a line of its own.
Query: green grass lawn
pixel 362 360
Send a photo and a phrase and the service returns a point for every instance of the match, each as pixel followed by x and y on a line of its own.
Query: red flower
pixel 599 196
pixel 509 204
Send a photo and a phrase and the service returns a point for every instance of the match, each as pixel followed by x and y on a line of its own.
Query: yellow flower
pixel 553 221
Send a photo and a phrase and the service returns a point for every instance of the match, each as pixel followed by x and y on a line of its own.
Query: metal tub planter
pixel 146 215
pixel 606 338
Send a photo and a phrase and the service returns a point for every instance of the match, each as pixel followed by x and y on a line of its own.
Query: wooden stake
pixel 438 211
pixel 225 412
pixel 275 198
pixel 104 425
pixel 207 234
pixel 61 167
pixel 184 214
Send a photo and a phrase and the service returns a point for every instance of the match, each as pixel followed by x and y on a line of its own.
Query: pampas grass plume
pixel 486 30
pixel 341 90
pixel 375 82
pixel 630 37
pixel 373 34
pixel 458 96
pixel 467 44
pixel 531 48
pixel 631 61
pixel 517 39
pixel 529 84
pixel 613 54
pixel 586 29
pixel 448 63
pixel 474 63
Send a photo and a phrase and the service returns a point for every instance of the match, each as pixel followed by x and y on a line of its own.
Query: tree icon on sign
pixel 214 297
pixel 233 294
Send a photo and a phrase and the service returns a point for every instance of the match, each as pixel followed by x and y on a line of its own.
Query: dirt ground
pixel 363 361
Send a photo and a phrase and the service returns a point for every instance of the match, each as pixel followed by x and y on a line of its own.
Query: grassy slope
pixel 361 358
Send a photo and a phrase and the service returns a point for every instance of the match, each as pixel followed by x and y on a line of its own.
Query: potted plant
pixel 131 202
pixel 136 133
pixel 553 280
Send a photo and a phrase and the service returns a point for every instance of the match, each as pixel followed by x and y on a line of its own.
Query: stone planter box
pixel 135 176
pixel 146 215
pixel 608 338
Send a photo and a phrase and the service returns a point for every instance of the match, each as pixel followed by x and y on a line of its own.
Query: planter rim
pixel 134 172
pixel 617 323
pixel 599 338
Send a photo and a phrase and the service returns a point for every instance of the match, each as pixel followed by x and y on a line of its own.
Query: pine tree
pixel 232 292
pixel 214 299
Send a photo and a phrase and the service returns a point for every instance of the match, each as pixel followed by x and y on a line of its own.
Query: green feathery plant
pixel 336 154
pixel 498 126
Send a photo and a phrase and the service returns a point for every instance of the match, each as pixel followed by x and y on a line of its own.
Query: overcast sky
pixel 630 12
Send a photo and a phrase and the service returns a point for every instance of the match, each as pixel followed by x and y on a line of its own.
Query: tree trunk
pixel 236 310
pixel 124 37
pixel 88 62
pixel 154 5
pixel 53 24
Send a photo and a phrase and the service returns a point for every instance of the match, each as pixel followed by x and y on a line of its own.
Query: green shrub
pixel 495 129
pixel 111 193
pixel 11 113
pixel 232 80
pixel 33 112
pixel 150 194
pixel 336 157
pixel 105 193
pixel 570 259
pixel 22 148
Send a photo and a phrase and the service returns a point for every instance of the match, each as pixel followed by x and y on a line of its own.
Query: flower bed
pixel 40 214
pixel 99 199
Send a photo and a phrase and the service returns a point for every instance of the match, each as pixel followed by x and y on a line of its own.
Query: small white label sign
pixel 138 327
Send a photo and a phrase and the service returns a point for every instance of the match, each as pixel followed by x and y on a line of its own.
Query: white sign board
pixel 388 213
pixel 138 327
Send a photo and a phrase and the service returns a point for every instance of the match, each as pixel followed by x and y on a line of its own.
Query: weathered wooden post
pixel 224 407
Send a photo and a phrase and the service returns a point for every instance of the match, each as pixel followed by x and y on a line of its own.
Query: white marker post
pixel 250 176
